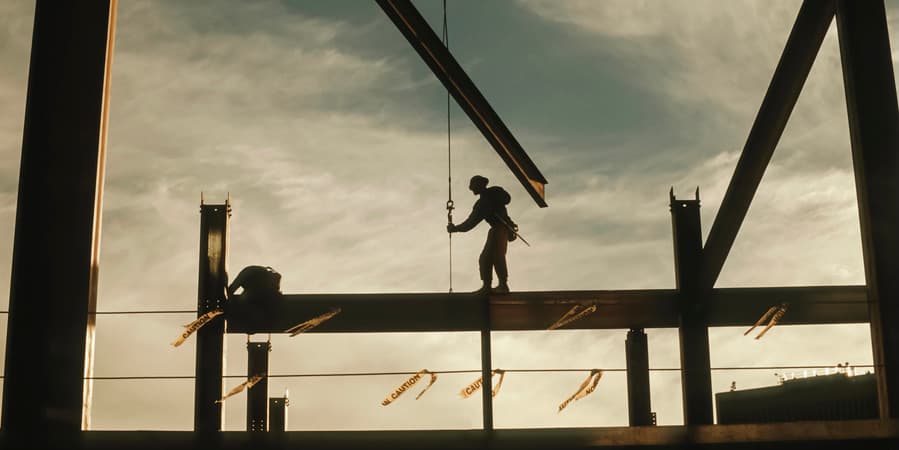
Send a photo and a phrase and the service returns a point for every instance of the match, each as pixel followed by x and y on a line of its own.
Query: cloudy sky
pixel 329 133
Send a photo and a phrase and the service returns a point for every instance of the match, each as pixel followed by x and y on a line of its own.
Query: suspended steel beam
pixel 874 130
pixel 520 311
pixel 430 48
pixel 795 63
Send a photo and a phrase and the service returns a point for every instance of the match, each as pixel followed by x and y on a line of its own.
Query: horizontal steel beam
pixel 519 311
pixel 359 313
pixel 807 305
pixel 789 435
pixel 795 63
pixel 430 48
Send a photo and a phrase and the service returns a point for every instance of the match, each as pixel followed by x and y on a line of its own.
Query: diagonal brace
pixel 795 63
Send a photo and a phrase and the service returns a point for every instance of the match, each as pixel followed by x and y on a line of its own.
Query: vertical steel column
pixel 874 129
pixel 257 395
pixel 696 375
pixel 277 413
pixel 211 338
pixel 639 405
pixel 486 369
pixel 53 282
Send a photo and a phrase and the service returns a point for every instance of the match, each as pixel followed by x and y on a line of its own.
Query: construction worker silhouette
pixel 256 283
pixel 491 207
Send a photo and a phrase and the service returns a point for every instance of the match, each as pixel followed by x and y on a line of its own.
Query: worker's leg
pixel 485 262
pixel 501 244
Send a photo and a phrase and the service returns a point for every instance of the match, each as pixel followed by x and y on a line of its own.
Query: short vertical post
pixel 277 414
pixel 257 394
pixel 696 375
pixel 486 369
pixel 874 133
pixel 639 406
pixel 210 358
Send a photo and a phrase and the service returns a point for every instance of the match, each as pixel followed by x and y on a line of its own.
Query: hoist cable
pixel 449 159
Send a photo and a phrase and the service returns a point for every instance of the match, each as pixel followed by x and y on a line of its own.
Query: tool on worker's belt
pixel 513 228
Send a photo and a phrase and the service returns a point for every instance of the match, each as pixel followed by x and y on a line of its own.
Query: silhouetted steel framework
pixel 57 235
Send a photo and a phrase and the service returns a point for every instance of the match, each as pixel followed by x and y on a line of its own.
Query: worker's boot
pixel 501 288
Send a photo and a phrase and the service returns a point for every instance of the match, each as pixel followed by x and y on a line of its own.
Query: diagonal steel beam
pixel 795 63
pixel 425 41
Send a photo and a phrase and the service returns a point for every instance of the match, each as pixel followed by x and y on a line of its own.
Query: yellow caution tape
pixel 499 384
pixel 573 315
pixel 190 328
pixel 585 389
pixel 475 386
pixel 430 383
pixel 311 323
pixel 408 384
pixel 775 313
pixel 245 385
pixel 780 313
pixel 764 317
